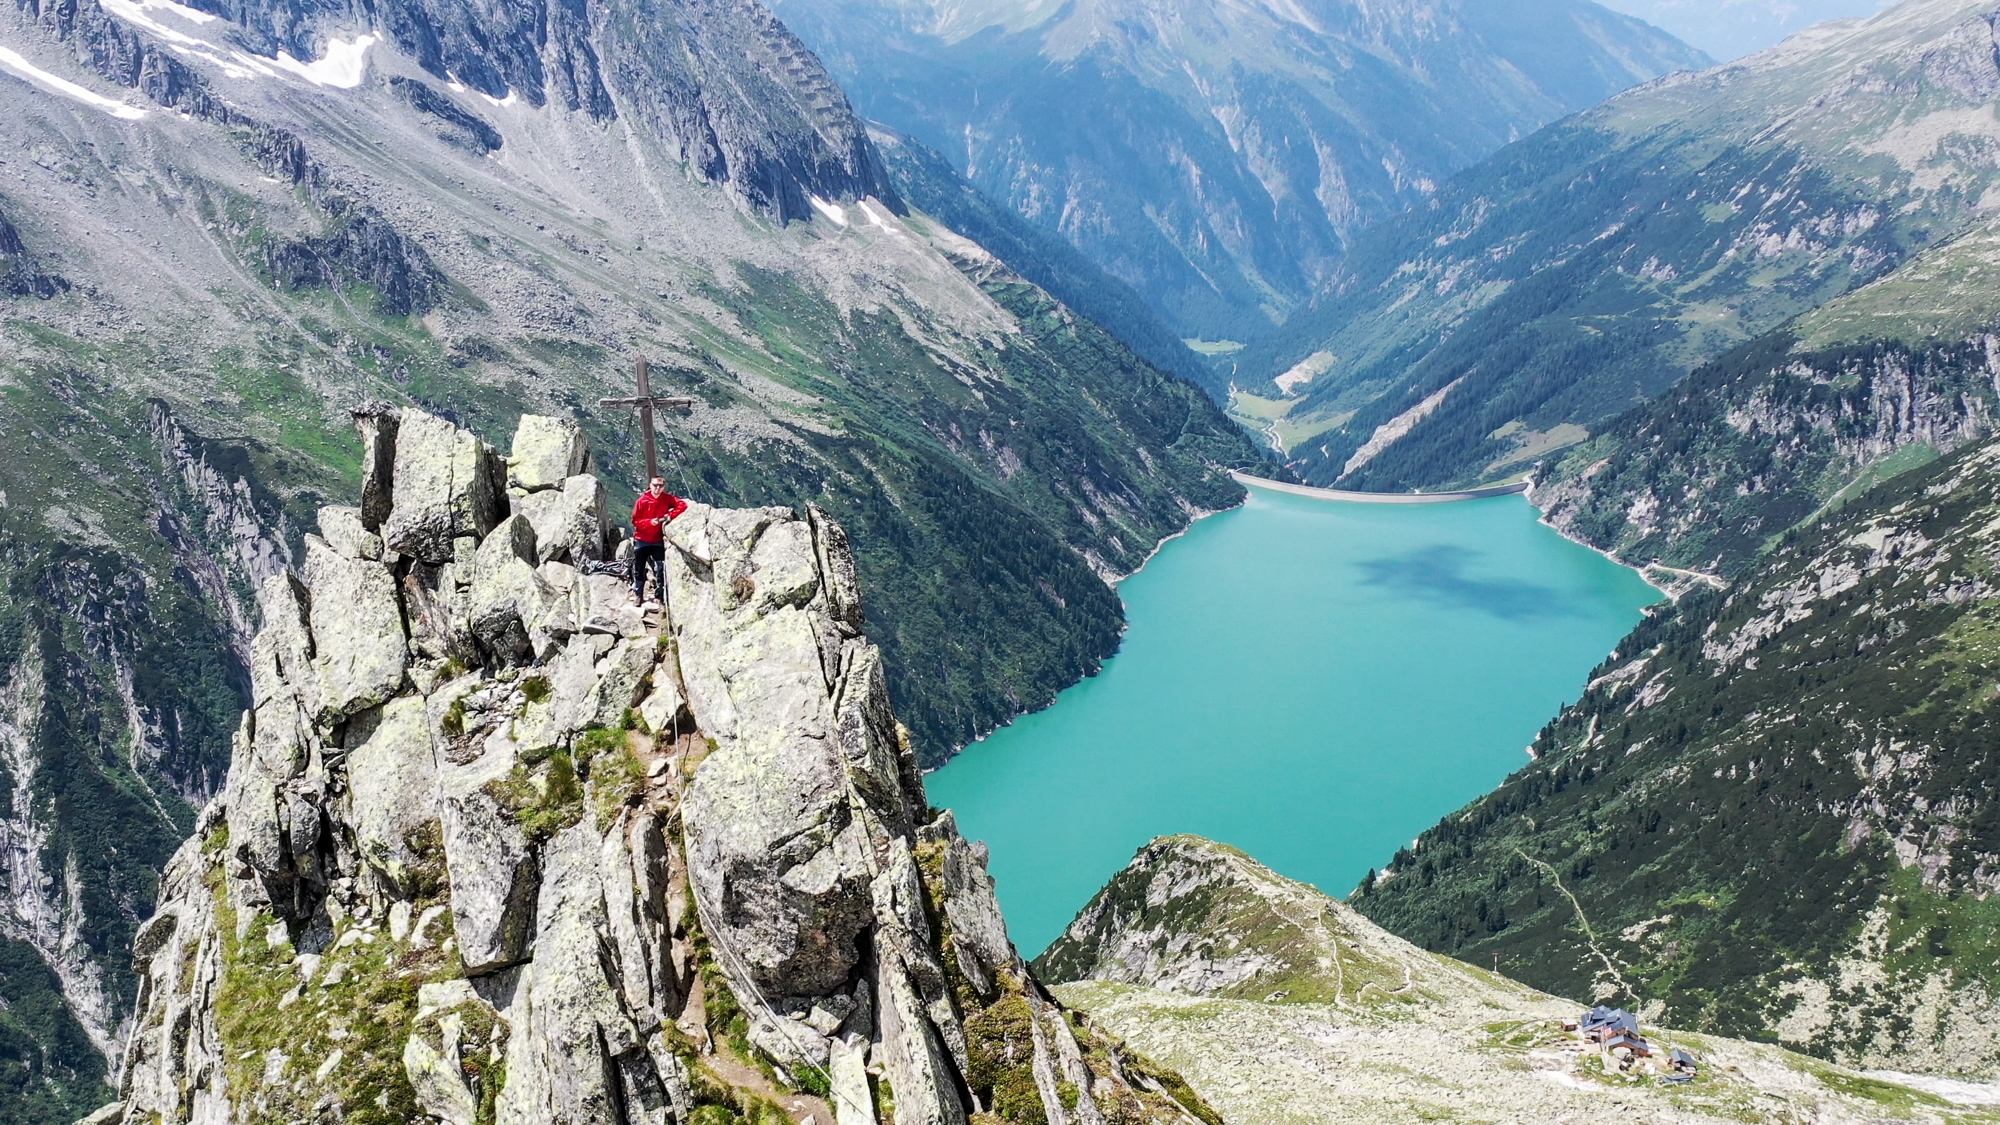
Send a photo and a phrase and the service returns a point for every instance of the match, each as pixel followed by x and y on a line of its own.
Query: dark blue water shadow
pixel 1438 575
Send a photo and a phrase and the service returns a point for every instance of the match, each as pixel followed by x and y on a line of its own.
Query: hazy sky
pixel 1728 29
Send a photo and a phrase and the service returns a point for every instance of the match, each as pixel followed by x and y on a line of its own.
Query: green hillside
pixel 1773 813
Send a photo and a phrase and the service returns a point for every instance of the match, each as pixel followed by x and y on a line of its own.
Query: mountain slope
pixel 1592 265
pixel 1219 159
pixel 928 181
pixel 1772 813
pixel 213 253
pixel 1788 426
pixel 1283 1005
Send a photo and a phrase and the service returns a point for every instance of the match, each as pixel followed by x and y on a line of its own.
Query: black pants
pixel 645 557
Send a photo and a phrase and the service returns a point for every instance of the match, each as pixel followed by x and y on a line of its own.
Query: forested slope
pixel 1775 811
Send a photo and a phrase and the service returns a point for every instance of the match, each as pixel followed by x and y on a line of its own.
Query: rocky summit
pixel 499 846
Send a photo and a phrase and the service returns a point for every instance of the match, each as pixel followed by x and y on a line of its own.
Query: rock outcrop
pixel 496 847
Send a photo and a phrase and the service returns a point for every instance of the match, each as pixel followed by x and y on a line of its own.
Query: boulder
pixel 661 704
pixel 284 689
pixel 777 858
pixel 438 1077
pixel 601 600
pixel 392 789
pixel 971 907
pixel 621 679
pixel 447 483
pixel 551 620
pixel 343 531
pixel 359 650
pixel 569 521
pixel 505 594
pixel 546 452
pixel 555 719
pixel 492 868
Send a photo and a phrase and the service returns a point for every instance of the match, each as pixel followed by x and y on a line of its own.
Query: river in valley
pixel 1313 682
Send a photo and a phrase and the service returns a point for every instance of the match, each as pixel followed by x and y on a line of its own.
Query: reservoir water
pixel 1313 682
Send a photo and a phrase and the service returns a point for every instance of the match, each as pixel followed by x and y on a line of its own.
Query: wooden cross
pixel 646 402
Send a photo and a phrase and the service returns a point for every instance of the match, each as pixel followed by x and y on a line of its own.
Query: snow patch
pixel 832 211
pixel 497 103
pixel 341 68
pixel 881 220
pixel 137 10
pixel 66 88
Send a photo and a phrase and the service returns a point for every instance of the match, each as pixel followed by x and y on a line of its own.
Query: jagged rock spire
pixel 496 847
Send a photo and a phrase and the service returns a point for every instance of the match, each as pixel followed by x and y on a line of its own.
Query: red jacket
pixel 650 508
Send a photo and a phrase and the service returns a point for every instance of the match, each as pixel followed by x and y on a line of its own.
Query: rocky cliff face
pixel 728 88
pixel 497 846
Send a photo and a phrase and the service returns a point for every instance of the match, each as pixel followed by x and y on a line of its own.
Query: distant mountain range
pixel 1730 29
pixel 1219 159
pixel 1593 265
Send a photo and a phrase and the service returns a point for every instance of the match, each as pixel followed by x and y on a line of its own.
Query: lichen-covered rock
pixel 621 677
pixel 979 933
pixel 567 1013
pixel 505 592
pixel 359 648
pixel 569 521
pixel 547 451
pixel 491 866
pixel 392 791
pixel 626 874
pixel 446 483
pixel 343 530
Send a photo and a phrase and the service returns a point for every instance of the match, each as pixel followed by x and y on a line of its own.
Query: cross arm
pixel 663 403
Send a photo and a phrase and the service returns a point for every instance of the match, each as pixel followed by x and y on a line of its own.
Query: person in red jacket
pixel 650 516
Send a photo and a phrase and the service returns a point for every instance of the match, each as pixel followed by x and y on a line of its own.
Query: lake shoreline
pixel 1673 593
pixel 1409 654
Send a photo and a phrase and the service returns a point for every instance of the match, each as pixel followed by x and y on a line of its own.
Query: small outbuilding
pixel 1681 1061
pixel 1630 1040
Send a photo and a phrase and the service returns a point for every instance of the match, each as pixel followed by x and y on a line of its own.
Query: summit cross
pixel 646 402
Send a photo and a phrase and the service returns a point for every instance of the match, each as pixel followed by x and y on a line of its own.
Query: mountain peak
pixel 499 845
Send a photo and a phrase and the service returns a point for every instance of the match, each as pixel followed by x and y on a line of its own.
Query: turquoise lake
pixel 1313 682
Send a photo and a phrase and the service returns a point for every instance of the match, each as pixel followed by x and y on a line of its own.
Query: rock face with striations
pixel 497 848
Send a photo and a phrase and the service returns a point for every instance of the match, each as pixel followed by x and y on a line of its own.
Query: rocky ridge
pixel 249 246
pixel 1282 1005
pixel 497 846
